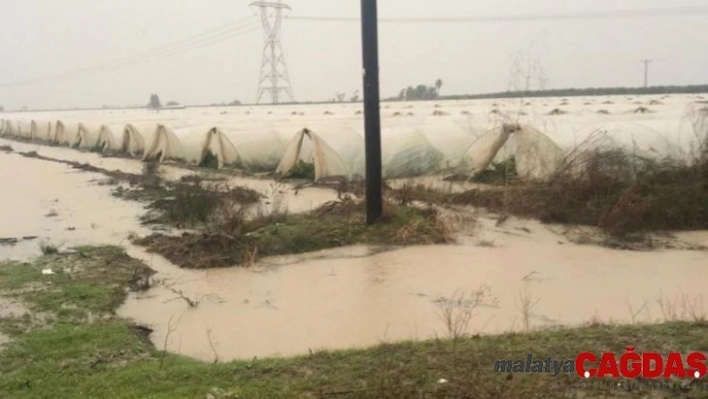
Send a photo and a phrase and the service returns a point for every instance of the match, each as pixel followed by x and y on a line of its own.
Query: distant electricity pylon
pixel 646 71
pixel 274 77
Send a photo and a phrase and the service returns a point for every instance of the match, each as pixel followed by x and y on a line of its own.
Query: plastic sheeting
pixel 537 156
pixel 639 139
pixel 5 127
pixel 162 145
pixel 336 151
pixel 86 136
pixel 108 138
pixel 42 131
pixel 24 129
pixel 65 132
pixel 135 136
pixel 407 153
pixel 197 142
pixel 482 152
pixel 260 148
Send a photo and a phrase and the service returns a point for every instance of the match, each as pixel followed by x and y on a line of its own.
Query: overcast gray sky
pixel 40 38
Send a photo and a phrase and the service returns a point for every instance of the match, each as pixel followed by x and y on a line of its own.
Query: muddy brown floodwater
pixel 360 296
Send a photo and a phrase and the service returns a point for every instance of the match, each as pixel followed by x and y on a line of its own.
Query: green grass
pixel 334 225
pixel 78 357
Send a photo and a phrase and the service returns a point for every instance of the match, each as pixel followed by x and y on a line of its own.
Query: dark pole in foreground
pixel 372 112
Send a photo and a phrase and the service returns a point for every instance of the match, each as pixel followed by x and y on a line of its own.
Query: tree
pixel 2 108
pixel 438 85
pixel 421 92
pixel 155 102
pixel 410 93
pixel 235 102
pixel 402 95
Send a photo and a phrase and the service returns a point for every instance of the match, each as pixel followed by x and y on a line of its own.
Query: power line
pixel 274 76
pixel 206 38
pixel 625 13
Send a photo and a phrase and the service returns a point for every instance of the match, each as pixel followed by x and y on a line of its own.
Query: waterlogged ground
pixel 355 296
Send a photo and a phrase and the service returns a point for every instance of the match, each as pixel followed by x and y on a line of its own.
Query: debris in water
pixel 52 214
pixel 8 241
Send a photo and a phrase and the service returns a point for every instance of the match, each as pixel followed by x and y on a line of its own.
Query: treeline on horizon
pixel 595 91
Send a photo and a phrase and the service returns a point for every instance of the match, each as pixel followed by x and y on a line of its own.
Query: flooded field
pixel 349 297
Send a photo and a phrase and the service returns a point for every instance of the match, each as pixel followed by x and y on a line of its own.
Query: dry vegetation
pixel 611 189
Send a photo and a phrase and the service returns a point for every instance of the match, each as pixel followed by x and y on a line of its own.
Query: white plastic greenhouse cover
pixel 483 151
pixel 24 129
pixel 107 138
pixel 199 141
pixel 86 136
pixel 336 152
pixel 260 147
pixel 10 128
pixel 135 136
pixel 65 132
pixel 162 145
pixel 42 130
pixel 537 156
pixel 636 138
pixel 407 153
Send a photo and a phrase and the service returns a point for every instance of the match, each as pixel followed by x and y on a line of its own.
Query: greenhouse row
pixel 336 147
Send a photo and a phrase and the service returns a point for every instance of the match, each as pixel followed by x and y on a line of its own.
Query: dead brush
pixel 458 311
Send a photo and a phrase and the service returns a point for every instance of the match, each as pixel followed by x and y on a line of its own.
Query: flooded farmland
pixel 356 296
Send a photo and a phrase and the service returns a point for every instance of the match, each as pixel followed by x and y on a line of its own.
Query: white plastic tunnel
pixel 108 138
pixel 645 140
pixel 86 136
pixel 3 127
pixel 258 148
pixel 202 144
pixel 65 132
pixel 537 156
pixel 335 151
pixel 42 131
pixel 135 136
pixel 24 129
pixel 406 152
pixel 162 145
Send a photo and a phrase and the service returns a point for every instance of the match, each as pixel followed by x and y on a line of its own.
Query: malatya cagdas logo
pixel 630 365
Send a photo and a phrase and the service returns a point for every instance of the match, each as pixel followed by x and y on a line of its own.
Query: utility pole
pixel 274 77
pixel 646 71
pixel 372 111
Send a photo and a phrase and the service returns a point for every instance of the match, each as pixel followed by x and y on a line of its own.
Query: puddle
pixel 349 297
pixel 84 213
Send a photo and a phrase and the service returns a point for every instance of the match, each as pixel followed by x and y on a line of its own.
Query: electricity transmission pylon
pixel 274 78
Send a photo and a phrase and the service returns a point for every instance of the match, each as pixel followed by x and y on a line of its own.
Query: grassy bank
pixel 72 345
pixel 237 240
